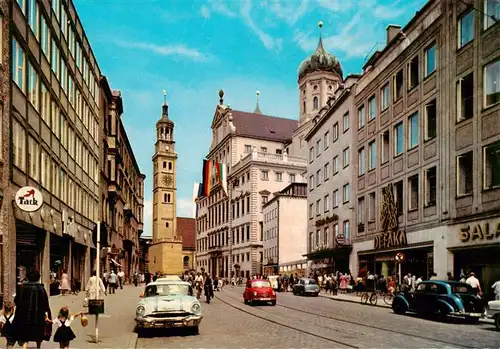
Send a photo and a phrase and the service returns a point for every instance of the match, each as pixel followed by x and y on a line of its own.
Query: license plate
pixel 265 299
pixel 476 314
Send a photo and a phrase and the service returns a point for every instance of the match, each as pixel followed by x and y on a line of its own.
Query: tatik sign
pixel 29 199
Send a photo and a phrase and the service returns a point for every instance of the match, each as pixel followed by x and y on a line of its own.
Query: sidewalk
pixel 116 325
pixel 353 298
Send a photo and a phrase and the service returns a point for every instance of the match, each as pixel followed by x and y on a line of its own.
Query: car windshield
pixel 310 282
pixel 167 290
pixel 460 288
pixel 259 284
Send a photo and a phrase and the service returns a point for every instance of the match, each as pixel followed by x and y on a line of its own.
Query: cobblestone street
pixel 317 323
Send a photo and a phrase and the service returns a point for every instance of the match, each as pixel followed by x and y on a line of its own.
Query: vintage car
pixel 169 277
pixel 259 290
pixel 169 303
pixel 494 312
pixel 306 286
pixel 442 299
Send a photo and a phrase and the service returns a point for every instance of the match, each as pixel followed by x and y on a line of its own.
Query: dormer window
pixel 304 106
pixel 315 103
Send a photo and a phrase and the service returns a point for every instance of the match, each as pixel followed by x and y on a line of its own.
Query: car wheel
pixel 398 308
pixel 245 301
pixel 194 330
pixel 497 322
pixel 273 303
pixel 316 295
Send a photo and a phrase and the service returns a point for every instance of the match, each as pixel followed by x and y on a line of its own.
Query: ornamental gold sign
pixel 479 232
pixel 391 239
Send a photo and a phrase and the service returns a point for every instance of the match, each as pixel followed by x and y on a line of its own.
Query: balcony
pixel 269 158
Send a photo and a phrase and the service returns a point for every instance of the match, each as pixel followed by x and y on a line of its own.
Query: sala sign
pixel 479 232
pixel 29 199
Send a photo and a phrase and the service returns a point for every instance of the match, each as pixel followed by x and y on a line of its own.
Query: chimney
pixel 392 31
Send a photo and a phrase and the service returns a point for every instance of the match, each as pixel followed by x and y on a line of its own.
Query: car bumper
pixel 264 299
pixel 311 291
pixel 153 322
pixel 476 315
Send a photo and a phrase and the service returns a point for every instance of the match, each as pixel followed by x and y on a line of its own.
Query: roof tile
pixel 264 127
pixel 187 228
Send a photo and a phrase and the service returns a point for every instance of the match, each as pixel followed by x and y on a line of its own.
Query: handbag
pixel 47 333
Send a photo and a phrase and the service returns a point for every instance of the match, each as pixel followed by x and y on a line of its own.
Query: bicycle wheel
pixel 373 299
pixel 388 299
pixel 364 298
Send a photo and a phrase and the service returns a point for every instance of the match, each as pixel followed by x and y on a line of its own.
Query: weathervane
pixel 320 25
pixel 164 96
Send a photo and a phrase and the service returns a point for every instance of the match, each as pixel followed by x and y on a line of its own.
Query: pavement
pixel 317 322
pixel 116 325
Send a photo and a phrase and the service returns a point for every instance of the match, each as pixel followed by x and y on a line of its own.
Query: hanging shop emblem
pixel 29 199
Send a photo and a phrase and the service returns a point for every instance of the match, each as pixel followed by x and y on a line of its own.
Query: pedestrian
pixel 6 323
pixel 92 285
pixel 64 334
pixel 112 280
pixel 32 305
pixel 65 286
pixel 474 283
pixel 496 290
pixel 121 278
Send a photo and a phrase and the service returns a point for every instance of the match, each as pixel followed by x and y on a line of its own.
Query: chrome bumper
pixel 166 322
pixel 464 314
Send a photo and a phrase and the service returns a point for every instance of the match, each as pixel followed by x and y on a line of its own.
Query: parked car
pixel 169 303
pixel 259 290
pixel 440 298
pixel 306 286
pixel 494 312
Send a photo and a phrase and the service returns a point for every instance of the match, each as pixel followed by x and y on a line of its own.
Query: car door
pixel 419 300
pixel 246 293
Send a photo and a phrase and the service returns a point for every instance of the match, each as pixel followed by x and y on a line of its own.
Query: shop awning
pixel 330 252
pixel 115 262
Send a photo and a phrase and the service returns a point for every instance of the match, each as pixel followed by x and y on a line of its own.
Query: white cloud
pixel 220 7
pixel 185 207
pixel 268 41
pixel 205 12
pixel 336 5
pixel 290 12
pixel 166 50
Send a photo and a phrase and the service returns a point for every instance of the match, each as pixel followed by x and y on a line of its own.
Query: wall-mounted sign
pixel 479 232
pixel 29 199
pixel 340 239
pixel 391 239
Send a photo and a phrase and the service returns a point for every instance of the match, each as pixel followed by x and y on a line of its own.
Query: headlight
pixel 140 311
pixel 255 293
pixel 195 308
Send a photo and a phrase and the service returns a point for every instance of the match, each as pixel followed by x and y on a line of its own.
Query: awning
pixel 115 262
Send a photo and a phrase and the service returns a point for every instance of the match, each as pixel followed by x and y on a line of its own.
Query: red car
pixel 259 290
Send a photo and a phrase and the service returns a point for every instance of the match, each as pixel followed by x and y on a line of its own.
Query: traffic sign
pixel 400 257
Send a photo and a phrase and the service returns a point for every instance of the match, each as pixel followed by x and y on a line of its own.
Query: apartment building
pixel 283 227
pixel 121 191
pixel 230 227
pixel 331 192
pixel 54 134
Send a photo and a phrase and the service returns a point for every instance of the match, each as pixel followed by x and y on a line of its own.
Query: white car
pixel 169 303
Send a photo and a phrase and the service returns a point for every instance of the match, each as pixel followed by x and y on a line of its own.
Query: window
pixel 248 148
pixel 430 186
pixel 345 193
pixel 335 134
pixel 311 182
pixel 315 103
pixel 398 196
pixel 45 104
pixel 311 241
pixel 430 120
pixel 318 178
pixel 303 106
pixel 18 65
pixel 335 199
pixel 361 210
pixel 492 13
pixel 372 108
pixel 326 171
pixel 492 82
pixel 413 73
pixel 45 170
pixel 398 139
pixel 263 149
pixel 398 85
pixel 292 178
pixel 32 86
pixel 264 175
pixel 384 97
pixel 71 92
pixel 56 7
pixel 311 154
pixel 466 29
pixel 326 237
pixel 55 61
pixel 33 17
pixel 64 77
pixel 335 165
pixel 361 116
pixel 318 147
pixel 33 164
pixel 361 161
pixel 345 121
pixel 385 146
pixel 264 199
pixel 413 131
pixel 430 60
pixel 22 5
pixel 346 229
pixel 311 211
pixel 19 143
pixel 326 203
pixel 64 22
pixel 318 205
pixel 45 37
pixel 491 166
pixel 413 193
pixel 279 176
pixel 372 153
pixel 465 97
pixel 326 140
pixel 371 207
pixel 345 157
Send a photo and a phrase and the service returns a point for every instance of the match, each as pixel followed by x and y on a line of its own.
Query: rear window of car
pixel 259 284
pixel 310 282
pixel 460 289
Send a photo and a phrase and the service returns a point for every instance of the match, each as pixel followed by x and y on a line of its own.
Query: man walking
pixel 121 278
pixel 112 280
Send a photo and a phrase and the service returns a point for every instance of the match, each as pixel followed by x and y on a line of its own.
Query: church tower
pixel 165 252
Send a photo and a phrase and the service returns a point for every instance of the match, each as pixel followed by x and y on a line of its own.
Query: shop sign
pixel 479 232
pixel 29 199
pixel 391 239
pixel 340 239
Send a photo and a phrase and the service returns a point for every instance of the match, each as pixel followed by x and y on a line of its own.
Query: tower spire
pixel 320 44
pixel 257 109
pixel 165 105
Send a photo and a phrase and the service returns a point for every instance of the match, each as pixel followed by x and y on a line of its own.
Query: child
pixel 64 334
pixel 6 323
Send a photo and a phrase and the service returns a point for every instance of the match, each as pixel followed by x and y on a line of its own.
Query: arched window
pixel 304 106
pixel 168 197
pixel 315 103
pixel 165 197
pixel 166 224
pixel 169 165
pixel 164 164
pixel 186 261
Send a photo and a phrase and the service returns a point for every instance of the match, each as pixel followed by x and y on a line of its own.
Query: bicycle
pixel 388 297
pixel 371 297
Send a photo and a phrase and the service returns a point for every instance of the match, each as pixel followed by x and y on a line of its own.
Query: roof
pixel 164 281
pixel 265 127
pixel 320 60
pixel 187 227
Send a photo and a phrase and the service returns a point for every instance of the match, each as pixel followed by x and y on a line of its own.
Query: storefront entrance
pixel 29 246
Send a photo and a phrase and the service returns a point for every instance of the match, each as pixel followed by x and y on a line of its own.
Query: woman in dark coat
pixel 32 304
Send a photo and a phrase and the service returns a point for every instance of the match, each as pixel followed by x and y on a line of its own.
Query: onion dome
pixel 164 120
pixel 320 60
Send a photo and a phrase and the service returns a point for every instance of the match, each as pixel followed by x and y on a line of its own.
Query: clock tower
pixel 165 252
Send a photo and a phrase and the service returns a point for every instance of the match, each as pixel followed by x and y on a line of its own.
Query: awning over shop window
pixel 115 262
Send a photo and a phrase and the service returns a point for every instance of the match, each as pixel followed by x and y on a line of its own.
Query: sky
pixel 193 48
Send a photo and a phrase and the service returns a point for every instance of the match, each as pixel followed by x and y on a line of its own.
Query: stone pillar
pixel 45 267
pixel 385 269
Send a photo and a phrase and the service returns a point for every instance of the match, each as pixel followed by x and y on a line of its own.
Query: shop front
pixel 475 246
pixel 30 241
pixel 330 260
pixel 271 267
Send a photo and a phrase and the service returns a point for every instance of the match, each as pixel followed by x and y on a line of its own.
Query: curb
pixel 132 344
pixel 486 321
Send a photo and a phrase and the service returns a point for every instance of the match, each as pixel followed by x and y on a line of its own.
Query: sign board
pixel 390 239
pixel 340 239
pixel 400 257
pixel 29 199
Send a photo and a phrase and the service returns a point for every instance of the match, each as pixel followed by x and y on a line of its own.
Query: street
pixel 317 323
